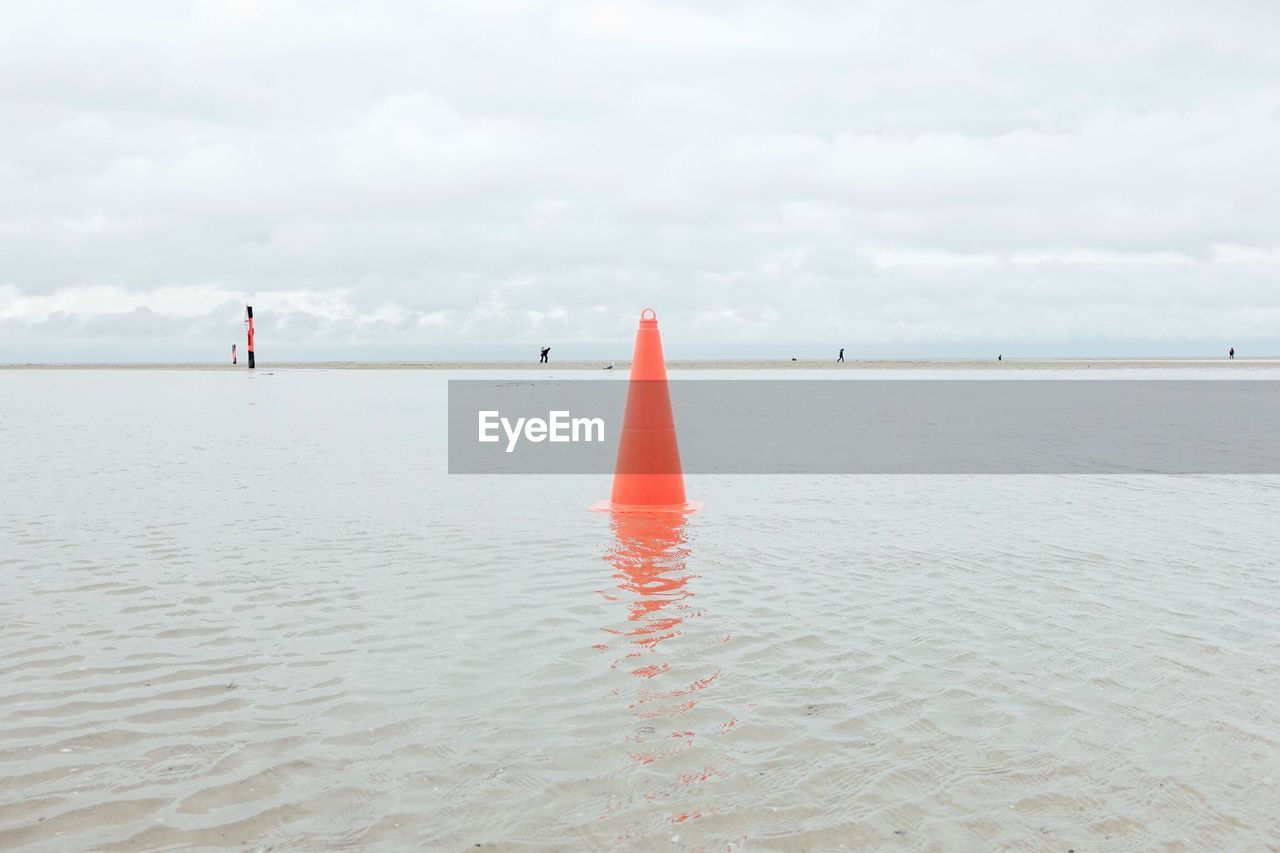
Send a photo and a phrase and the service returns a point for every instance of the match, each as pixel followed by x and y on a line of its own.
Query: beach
pixel 640 426
pixel 261 613
pixel 706 364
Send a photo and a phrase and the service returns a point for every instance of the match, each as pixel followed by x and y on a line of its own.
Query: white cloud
pixel 494 176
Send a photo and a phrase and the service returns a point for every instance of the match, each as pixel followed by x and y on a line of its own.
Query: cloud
pixel 494 176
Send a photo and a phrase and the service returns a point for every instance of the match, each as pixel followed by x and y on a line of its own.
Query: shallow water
pixel 253 609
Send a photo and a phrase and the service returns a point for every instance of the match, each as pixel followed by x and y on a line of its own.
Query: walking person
pixel 1231 353
pixel 233 353
pixel 841 358
pixel 543 360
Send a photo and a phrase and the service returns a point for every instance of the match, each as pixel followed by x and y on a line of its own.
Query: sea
pixel 255 611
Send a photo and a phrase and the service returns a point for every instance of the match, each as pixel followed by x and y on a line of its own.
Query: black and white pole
pixel 248 310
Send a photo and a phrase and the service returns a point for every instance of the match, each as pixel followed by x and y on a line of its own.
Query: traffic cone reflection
pixel 662 647
pixel 648 476
pixel 649 557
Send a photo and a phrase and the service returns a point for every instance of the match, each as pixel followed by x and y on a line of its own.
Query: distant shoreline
pixel 707 364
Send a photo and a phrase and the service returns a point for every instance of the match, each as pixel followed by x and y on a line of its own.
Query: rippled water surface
pixel 253 609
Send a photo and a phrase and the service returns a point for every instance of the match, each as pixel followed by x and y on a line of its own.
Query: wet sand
pixel 707 364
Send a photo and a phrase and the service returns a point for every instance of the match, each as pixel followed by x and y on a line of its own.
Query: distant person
pixel 1231 353
pixel 841 358
pixel 543 360
pixel 1000 357
pixel 233 353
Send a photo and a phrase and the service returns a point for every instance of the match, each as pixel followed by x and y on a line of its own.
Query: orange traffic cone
pixel 648 476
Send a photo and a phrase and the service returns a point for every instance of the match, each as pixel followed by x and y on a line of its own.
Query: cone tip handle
pixel 653 315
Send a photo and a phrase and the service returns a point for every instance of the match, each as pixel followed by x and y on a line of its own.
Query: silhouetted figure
pixel 543 360
pixel 1231 353
pixel 233 353
pixel 841 358
pixel 1000 357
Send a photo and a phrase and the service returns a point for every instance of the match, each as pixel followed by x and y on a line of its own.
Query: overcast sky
pixel 478 179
